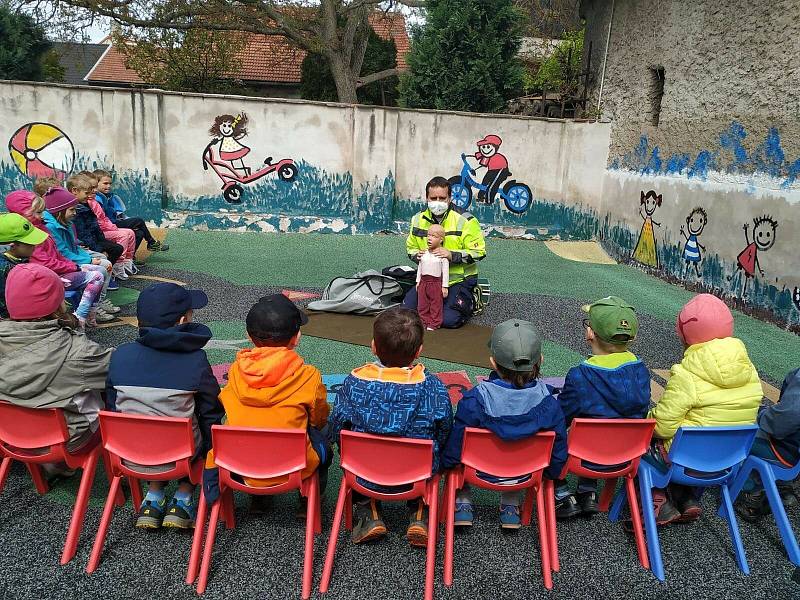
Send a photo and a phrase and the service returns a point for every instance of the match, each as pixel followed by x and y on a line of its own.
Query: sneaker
pixel 260 505
pixel 151 514
pixel 180 514
pixel 129 267
pixel 588 503
pixel 664 511
pixel 566 508
pixel 509 516
pixel 102 316
pixel 108 307
pixel 367 522
pixel 417 532
pixel 156 246
pixel 690 510
pixel 112 285
pixel 788 497
pixel 463 514
pixel 118 270
pixel 751 506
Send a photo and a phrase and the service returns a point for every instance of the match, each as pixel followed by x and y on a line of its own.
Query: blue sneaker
pixel 180 514
pixel 112 285
pixel 463 514
pixel 151 514
pixel 509 516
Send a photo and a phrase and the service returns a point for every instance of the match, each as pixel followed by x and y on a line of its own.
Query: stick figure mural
pixel 645 251
pixel 796 298
pixel 764 229
pixel 695 223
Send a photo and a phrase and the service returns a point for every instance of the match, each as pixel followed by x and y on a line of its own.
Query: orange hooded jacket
pixel 273 388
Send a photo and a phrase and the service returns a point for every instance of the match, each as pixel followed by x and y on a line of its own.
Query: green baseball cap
pixel 16 228
pixel 612 320
pixel 516 345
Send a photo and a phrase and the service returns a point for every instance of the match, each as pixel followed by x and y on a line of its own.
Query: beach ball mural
pixel 42 150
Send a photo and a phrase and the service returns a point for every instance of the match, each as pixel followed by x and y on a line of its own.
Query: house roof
pixel 77 59
pixel 265 58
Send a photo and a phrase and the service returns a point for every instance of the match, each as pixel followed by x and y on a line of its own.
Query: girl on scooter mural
pixel 230 130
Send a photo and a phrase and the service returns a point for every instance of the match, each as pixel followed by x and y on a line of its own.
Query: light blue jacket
pixel 65 240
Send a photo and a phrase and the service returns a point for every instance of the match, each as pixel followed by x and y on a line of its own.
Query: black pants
pixel 110 249
pixel 492 181
pixel 140 230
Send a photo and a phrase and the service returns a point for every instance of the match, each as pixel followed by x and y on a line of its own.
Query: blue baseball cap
pixel 163 304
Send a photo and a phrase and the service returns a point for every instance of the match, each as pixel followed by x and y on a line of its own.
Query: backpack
pixel 366 293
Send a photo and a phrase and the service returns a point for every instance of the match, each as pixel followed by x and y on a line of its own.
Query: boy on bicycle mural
pixel 496 167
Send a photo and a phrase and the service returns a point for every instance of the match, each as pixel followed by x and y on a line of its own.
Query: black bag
pixel 406 276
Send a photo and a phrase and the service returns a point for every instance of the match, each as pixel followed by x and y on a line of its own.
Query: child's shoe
pixel 687 505
pixel 108 307
pixel 509 516
pixel 112 285
pixel 181 513
pixel 101 316
pixel 151 513
pixel 129 266
pixel 567 507
pixel 786 490
pixel 417 532
pixel 118 270
pixel 665 512
pixel 463 514
pixel 156 246
pixel 367 522
pixel 751 506
pixel 588 503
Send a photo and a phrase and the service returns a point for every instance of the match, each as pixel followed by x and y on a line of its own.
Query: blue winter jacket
pixel 67 244
pixel 165 372
pixel 610 386
pixel 780 423
pixel 511 414
pixel 87 228
pixel 410 403
pixel 112 205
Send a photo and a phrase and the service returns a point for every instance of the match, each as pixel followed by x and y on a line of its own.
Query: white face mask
pixel 437 208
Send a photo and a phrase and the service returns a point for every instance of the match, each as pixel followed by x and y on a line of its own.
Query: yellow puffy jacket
pixel 714 385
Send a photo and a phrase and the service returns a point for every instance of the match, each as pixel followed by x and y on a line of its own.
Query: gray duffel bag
pixel 366 293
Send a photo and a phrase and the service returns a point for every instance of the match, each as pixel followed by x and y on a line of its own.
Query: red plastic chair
pixel 483 451
pixel 253 453
pixel 36 435
pixel 385 461
pixel 133 440
pixel 619 443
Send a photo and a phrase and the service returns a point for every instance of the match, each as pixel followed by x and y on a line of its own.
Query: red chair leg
pixel 308 559
pixel 348 512
pixel 120 500
pixel 5 467
pixel 448 512
pixel 527 508
pixel 607 495
pixel 228 508
pixel 433 529
pixel 38 478
pixel 636 517
pixel 209 549
pixel 197 539
pixel 136 493
pixel 550 506
pixel 105 520
pixel 318 511
pixel 81 503
pixel 341 505
pixel 541 517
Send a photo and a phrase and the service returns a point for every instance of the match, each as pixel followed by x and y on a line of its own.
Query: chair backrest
pixel 485 452
pixel 711 449
pixel 609 441
pixel 384 460
pixel 24 428
pixel 146 440
pixel 259 453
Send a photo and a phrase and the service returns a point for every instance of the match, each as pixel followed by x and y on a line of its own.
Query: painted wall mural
pixel 645 251
pixel 42 150
pixel 515 195
pixel 225 154
pixel 764 230
pixel 695 224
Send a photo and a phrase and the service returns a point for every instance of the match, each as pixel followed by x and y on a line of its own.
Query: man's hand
pixel 444 292
pixel 443 253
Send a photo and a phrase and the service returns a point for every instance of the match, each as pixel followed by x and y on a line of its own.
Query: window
pixel 656 93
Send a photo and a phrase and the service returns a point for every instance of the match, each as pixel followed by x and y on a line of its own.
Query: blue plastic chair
pixel 771 472
pixel 699 457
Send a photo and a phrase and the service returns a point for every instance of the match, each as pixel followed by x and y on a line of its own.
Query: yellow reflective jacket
pixel 714 385
pixel 463 237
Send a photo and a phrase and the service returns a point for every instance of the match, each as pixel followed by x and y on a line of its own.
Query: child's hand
pixel 444 292
pixel 66 282
pixel 416 287
pixel 95 261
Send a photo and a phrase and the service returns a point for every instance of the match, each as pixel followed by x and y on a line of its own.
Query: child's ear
pixel 419 351
pixel 491 362
pixel 373 347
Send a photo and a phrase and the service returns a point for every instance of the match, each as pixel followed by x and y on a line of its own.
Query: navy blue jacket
pixel 781 422
pixel 610 386
pixel 112 206
pixel 511 414
pixel 165 372
pixel 87 228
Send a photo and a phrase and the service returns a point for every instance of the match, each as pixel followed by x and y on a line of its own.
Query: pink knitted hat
pixel 57 199
pixel 704 318
pixel 33 292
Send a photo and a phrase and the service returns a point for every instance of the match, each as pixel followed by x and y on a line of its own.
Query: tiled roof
pixel 77 59
pixel 266 58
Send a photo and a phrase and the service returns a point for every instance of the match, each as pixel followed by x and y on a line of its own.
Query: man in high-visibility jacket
pixel 463 246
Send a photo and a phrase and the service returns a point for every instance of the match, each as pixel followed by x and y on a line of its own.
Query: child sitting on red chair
pixel 513 404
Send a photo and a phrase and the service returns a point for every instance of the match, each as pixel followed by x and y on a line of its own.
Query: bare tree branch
pixel 367 79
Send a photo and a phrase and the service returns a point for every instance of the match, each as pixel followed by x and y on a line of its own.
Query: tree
pixel 317 82
pixel 338 29
pixel 22 48
pixel 560 71
pixel 465 57
pixel 550 18
pixel 196 60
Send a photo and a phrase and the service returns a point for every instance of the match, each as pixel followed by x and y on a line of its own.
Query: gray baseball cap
pixel 516 345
